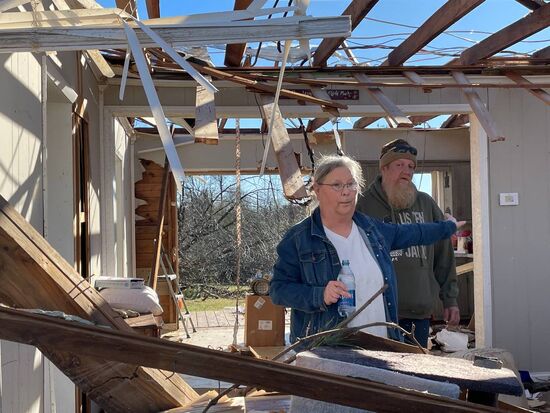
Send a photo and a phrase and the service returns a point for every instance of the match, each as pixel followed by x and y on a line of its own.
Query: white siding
pixel 520 253
pixel 21 185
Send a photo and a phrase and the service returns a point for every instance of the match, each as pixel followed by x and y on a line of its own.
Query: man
pixel 422 271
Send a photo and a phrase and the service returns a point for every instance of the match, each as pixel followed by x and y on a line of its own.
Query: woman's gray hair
pixel 328 163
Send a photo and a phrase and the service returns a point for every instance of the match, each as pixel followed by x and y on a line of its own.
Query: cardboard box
pixel 264 322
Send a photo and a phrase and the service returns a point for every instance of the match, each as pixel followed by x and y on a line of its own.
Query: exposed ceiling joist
pixel 357 10
pixel 449 13
pixel 35 39
pixel 538 93
pixel 455 121
pixel 532 4
pixel 153 9
pixel 234 52
pixel 478 107
pixel 519 30
pixel 394 113
pixel 419 119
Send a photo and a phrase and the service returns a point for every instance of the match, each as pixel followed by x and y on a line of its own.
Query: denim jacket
pixel 307 261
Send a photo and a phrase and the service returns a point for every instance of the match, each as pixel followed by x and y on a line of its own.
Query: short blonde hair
pixel 328 163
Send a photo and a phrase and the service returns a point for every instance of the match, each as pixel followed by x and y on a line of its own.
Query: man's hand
pixel 449 217
pixel 333 291
pixel 451 315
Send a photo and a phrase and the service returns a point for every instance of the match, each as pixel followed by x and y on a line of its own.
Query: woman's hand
pixel 333 291
pixel 449 217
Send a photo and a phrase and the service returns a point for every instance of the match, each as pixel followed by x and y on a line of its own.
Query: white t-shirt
pixel 368 278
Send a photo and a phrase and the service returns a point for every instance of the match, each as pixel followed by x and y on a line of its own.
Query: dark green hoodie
pixel 423 272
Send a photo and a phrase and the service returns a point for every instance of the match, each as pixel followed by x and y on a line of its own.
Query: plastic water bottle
pixel 346 305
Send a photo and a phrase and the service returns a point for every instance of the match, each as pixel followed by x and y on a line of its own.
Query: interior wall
pixel 21 184
pixel 521 234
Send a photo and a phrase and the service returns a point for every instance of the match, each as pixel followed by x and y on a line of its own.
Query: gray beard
pixel 401 196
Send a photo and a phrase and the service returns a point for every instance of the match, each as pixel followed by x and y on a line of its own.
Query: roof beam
pixel 538 93
pixel 542 53
pixel 357 10
pixel 34 39
pixel 478 107
pixel 531 4
pixel 417 120
pixel 449 13
pixel 153 9
pixel 206 126
pixel 519 30
pixel 129 6
pixel 234 52
pixel 395 114
pixel 316 123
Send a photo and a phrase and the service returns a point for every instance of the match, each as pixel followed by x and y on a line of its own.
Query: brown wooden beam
pixel 449 13
pixel 542 53
pixel 316 123
pixel 357 10
pixel 365 121
pixel 76 339
pixel 417 120
pixel 234 52
pixel 153 8
pixel 532 23
pixel 531 4
pixel 455 121
pixel 129 6
pixel 538 93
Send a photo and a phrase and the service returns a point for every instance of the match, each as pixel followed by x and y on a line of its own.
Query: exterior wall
pixel 21 184
pixel 520 235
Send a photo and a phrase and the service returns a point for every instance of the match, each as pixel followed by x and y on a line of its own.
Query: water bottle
pixel 346 305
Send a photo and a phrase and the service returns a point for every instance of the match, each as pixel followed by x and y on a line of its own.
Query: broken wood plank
pixel 357 10
pixel 289 170
pixel 84 37
pixel 538 93
pixel 455 121
pixel 153 8
pixel 129 6
pixel 532 23
pixel 206 126
pixel 478 107
pixel 542 53
pixel 437 23
pixel 391 109
pixel 365 121
pixel 130 348
pixel 465 268
pixel 34 275
pixel 316 123
pixel 419 119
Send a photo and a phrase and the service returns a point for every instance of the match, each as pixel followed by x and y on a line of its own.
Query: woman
pixel 310 255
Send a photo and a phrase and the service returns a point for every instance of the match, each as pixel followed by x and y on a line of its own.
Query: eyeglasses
pixel 338 187
pixel 399 148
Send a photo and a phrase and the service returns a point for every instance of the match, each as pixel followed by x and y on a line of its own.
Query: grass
pixel 212 304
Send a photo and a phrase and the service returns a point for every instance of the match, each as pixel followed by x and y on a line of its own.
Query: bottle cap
pixel 345 262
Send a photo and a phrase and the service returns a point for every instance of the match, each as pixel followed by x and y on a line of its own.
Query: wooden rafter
pixel 365 121
pixel 456 120
pixel 478 107
pixel 538 93
pixel 153 8
pixel 532 23
pixel 449 13
pixel 234 52
pixel 112 345
pixel 531 4
pixel 357 10
pixel 396 115
pixel 542 53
